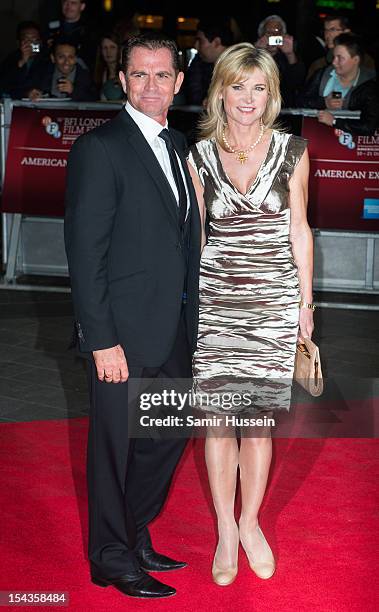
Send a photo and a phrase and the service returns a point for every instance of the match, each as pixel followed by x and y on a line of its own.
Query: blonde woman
pixel 255 284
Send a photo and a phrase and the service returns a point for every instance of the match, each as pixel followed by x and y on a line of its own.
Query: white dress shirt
pixel 151 130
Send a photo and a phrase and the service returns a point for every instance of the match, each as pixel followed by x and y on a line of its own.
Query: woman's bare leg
pixel 221 456
pixel 254 460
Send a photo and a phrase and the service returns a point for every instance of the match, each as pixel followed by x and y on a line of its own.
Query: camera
pixel 36 47
pixel 337 95
pixel 275 40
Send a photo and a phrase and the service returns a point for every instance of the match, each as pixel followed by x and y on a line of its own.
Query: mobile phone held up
pixel 337 95
pixel 36 47
pixel 274 41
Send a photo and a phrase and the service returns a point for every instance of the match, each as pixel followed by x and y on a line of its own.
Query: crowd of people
pixel 70 60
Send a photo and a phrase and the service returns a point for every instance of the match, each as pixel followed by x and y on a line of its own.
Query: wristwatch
pixel 306 305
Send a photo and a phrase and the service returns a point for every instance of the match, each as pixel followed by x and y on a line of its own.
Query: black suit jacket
pixel 84 88
pixel 127 259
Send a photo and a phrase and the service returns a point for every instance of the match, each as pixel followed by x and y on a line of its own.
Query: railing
pixel 33 244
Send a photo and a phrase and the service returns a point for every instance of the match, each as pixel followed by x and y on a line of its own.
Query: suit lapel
pixel 149 160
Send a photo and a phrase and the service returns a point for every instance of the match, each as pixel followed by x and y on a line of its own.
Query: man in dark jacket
pixel 344 85
pixel 64 78
pixel 132 234
pixel 73 27
pixel 211 40
pixel 19 70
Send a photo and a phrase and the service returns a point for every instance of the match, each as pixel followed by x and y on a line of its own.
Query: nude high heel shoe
pixel 263 567
pixel 224 577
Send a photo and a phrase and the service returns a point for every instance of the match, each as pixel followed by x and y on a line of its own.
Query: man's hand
pixel 325 117
pixel 111 364
pixel 26 52
pixel 288 50
pixel 65 86
pixel 262 42
pixel 333 103
pixel 35 94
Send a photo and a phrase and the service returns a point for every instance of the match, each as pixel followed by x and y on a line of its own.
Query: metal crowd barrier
pixel 33 245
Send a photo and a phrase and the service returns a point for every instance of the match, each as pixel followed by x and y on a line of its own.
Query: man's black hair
pixel 212 29
pixel 27 25
pixel 152 42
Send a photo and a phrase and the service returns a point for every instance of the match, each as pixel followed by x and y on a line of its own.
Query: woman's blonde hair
pixel 233 66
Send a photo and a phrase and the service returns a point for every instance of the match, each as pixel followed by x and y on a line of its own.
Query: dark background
pixel 302 16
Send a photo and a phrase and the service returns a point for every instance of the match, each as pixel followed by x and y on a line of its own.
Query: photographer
pixel 21 68
pixel 272 36
pixel 64 78
pixel 344 85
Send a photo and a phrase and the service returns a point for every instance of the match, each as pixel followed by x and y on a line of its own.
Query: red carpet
pixel 319 516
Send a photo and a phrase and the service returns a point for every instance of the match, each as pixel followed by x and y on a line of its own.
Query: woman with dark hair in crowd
pixel 108 67
pixel 344 85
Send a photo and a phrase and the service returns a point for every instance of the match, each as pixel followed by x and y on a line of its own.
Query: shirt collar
pixel 148 126
pixel 353 84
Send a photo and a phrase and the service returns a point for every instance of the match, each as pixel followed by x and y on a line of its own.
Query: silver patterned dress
pixel 249 290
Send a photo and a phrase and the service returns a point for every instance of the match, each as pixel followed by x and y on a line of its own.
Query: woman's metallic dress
pixel 249 290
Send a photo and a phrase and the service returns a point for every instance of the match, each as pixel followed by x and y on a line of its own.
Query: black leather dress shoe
pixel 151 561
pixel 138 584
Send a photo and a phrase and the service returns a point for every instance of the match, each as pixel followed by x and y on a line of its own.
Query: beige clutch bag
pixel 308 371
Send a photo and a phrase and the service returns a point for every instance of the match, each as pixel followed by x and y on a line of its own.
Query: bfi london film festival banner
pixel 344 178
pixel 39 143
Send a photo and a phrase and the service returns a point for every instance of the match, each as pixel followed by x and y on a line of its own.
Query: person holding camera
pixel 344 85
pixel 24 65
pixel 64 78
pixel 273 37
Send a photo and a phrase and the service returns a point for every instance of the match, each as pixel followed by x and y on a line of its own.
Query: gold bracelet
pixel 306 305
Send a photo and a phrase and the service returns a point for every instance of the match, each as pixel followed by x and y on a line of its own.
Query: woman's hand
pixel 306 325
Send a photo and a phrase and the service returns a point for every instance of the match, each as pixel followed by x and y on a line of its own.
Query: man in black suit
pixel 63 77
pixel 132 236
pixel 21 67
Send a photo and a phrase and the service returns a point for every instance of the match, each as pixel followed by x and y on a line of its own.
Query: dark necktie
pixel 165 135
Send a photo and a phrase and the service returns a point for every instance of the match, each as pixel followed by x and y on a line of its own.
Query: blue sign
pixel 371 208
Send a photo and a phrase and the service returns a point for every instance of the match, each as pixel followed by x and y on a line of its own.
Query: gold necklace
pixel 243 154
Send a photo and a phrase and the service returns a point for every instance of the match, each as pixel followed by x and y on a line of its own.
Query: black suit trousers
pixel 128 479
